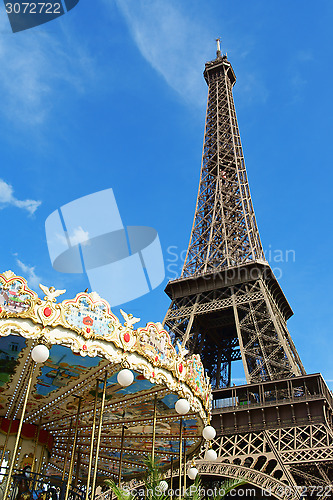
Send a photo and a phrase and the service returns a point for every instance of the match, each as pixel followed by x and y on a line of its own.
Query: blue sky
pixel 112 95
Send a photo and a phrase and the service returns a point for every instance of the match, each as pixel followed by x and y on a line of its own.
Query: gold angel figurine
pixel 51 293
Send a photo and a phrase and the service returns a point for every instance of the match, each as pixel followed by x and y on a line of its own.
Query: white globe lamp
pixel 125 377
pixel 163 486
pixel 209 432
pixel 192 473
pixel 182 406
pixel 210 455
pixel 40 353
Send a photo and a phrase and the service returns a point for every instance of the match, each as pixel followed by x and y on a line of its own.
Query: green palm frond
pixel 153 476
pixel 120 493
pixel 153 479
pixel 194 492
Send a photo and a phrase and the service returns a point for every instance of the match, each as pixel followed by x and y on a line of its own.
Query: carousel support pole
pixel 5 444
pixel 171 479
pixel 184 467
pixel 78 465
pixel 36 444
pixel 99 436
pixel 71 463
pixel 154 431
pixel 67 449
pixel 121 454
pixel 41 459
pixel 180 457
pixel 10 472
pixel 92 440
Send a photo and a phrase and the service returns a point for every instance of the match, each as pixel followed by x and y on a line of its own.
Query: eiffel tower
pixel 276 430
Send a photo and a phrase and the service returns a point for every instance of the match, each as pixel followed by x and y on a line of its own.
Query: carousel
pixel 85 397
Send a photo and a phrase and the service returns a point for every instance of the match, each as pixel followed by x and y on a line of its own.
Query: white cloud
pixel 172 43
pixel 7 198
pixel 79 236
pixel 29 273
pixel 34 64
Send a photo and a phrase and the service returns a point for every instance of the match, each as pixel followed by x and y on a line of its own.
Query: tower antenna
pixel 218 52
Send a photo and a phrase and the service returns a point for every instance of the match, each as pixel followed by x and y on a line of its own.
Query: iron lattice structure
pixel 227 305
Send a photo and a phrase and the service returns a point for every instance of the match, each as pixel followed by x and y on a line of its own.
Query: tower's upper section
pixel 217 66
pixel 224 232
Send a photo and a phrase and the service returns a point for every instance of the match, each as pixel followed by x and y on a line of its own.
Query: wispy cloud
pixel 176 45
pixel 7 198
pixel 305 55
pixel 34 64
pixel 78 237
pixel 171 42
pixel 29 273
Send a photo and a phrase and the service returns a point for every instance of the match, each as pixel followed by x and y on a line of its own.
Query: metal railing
pixel 228 404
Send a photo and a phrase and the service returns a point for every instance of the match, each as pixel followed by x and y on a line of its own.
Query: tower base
pixel 277 435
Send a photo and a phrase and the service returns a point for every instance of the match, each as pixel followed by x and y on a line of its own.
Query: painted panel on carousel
pixel 92 318
pixel 10 350
pixel 156 344
pixel 139 384
pixel 197 378
pixel 15 296
pixel 63 367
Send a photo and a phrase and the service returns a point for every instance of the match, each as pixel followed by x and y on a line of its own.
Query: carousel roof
pixel 87 344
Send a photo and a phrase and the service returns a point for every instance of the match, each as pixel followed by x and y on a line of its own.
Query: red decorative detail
pixel 88 330
pixel 156 358
pixel 0 309
pixel 88 321
pixel 47 311
pixel 153 374
pixel 84 347
pixel 180 368
pixel 127 337
pixel 29 431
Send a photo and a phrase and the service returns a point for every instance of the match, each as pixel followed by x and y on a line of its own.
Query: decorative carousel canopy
pixel 89 345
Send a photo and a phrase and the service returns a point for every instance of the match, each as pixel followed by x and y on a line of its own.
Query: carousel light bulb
pixel 192 473
pixel 211 455
pixel 163 486
pixel 209 432
pixel 125 377
pixel 40 353
pixel 182 406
